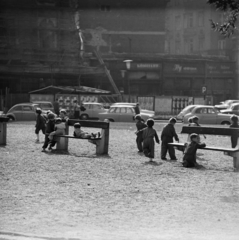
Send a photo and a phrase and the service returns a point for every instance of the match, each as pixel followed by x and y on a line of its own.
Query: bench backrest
pixel 210 130
pixel 88 123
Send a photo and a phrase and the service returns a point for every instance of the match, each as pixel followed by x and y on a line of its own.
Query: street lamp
pixel 128 63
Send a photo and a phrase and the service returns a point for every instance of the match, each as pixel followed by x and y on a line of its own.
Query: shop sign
pixel 146 66
pixel 183 68
pixel 220 69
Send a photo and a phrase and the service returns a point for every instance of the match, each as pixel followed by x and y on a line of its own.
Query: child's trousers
pixel 167 148
pixel 139 142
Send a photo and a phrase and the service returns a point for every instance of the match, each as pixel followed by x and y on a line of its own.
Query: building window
pixel 178 46
pixel 201 44
pixel 47 34
pixel 177 22
pixel 188 20
pixel 221 44
pixel 200 19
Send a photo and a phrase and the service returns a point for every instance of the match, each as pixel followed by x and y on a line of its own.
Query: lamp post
pixel 128 66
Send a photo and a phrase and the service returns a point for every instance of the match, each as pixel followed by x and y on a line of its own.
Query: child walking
pixel 139 125
pixel 167 136
pixel 148 135
pixel 40 124
pixel 189 158
pixel 78 132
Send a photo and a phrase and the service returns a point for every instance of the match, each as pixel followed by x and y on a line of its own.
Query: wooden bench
pixel 233 152
pixel 102 143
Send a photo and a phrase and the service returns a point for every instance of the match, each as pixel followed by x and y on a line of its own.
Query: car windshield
pixel 188 108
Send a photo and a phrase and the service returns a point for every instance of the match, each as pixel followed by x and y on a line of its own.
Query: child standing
pixel 50 125
pixel 40 124
pixel 167 136
pixel 139 125
pixel 78 132
pixel 234 136
pixel 148 135
pixel 189 158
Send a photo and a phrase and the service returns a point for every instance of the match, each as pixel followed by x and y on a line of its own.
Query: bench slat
pixel 208 148
pixel 87 123
pixel 69 136
pixel 210 130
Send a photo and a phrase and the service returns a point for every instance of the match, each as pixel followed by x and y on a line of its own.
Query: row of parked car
pixel 118 112
pixel 218 114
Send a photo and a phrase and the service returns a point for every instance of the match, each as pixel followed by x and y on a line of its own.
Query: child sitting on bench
pixel 78 132
pixel 234 137
pixel 189 158
pixel 60 128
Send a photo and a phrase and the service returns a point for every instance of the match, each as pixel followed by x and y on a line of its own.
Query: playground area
pixel 120 196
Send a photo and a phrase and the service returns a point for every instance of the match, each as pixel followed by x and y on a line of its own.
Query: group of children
pixel 52 125
pixel 146 134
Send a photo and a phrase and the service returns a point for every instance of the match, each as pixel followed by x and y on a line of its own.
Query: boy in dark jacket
pixel 40 124
pixel 189 158
pixel 139 125
pixel 167 136
pixel 50 127
pixel 234 136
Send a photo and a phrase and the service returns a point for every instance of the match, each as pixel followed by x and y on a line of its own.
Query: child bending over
pixel 60 128
pixel 148 135
pixel 139 125
pixel 189 158
pixel 78 132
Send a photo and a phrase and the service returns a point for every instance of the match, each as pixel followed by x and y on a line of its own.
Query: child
pixel 234 136
pixel 50 125
pixel 81 134
pixel 167 136
pixel 195 123
pixel 189 158
pixel 63 115
pixel 40 124
pixel 139 125
pixel 148 135
pixel 60 128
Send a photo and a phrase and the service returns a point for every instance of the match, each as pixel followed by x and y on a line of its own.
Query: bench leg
pixel 102 146
pixel 236 164
pixel 62 144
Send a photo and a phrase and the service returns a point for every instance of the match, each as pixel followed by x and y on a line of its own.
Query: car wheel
pixel 225 123
pixel 11 118
pixel 84 117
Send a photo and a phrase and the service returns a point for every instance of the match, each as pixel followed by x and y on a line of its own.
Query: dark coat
pixel 234 136
pixel 169 133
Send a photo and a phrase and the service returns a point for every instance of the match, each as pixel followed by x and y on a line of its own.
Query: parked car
pixel 92 110
pixel 226 104
pixel 233 109
pixel 185 111
pixel 45 106
pixel 122 113
pixel 23 112
pixel 208 115
pixel 134 104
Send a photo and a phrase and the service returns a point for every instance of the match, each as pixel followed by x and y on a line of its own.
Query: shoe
pixel 43 150
pixel 99 135
pixel 50 148
pixel 164 158
pixel 37 141
pixel 174 159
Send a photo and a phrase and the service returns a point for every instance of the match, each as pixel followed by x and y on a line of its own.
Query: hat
pixel 38 110
pixel 63 111
pixel 58 120
pixel 195 118
pixel 193 135
pixel 138 117
pixel 51 115
pixel 172 120
pixel 77 125
pixel 190 119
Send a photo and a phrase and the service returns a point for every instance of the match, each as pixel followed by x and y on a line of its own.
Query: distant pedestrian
pixel 234 136
pixel 40 124
pixel 137 109
pixel 148 135
pixel 189 158
pixel 139 125
pixel 167 136
pixel 56 107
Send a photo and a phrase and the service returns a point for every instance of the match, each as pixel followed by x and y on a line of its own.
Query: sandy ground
pixel 120 196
